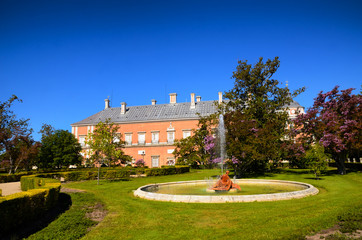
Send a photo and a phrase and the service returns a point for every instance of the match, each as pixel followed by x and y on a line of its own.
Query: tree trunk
pixel 340 159
pixel 11 165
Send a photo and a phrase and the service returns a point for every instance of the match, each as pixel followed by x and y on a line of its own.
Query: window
pixel 186 133
pixel 128 138
pixel 141 138
pixel 155 137
pixel 155 161
pixel 170 137
pixel 116 138
pixel 82 141
pixel 170 161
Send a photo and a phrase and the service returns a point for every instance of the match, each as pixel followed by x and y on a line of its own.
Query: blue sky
pixel 64 57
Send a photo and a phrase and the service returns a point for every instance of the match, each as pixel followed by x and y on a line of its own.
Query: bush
pixel 4 178
pixel 140 163
pixel 115 174
pixel 350 166
pixel 31 182
pixel 74 223
pixel 167 170
pixel 21 208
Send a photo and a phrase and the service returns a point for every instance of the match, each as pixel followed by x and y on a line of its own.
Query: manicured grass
pixel 133 218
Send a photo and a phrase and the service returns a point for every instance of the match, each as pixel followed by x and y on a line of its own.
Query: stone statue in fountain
pixel 225 184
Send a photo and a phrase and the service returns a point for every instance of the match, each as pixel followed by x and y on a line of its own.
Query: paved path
pixel 10 188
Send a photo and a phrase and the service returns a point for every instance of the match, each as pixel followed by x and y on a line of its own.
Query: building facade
pixel 150 131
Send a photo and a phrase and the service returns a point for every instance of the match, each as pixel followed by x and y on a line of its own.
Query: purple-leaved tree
pixel 334 120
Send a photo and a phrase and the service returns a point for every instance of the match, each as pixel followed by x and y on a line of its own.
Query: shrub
pixel 350 166
pixel 140 163
pixel 4 178
pixel 116 174
pixel 167 170
pixel 20 208
pixel 74 223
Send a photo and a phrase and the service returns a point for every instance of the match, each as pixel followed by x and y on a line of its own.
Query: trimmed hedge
pixel 167 170
pixel 349 165
pixel 4 178
pixel 88 175
pixel 21 208
pixel 92 174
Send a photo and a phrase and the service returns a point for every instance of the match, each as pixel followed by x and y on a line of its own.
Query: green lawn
pixel 133 218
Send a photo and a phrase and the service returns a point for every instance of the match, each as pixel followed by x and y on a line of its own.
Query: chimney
pixel 106 101
pixel 153 101
pixel 123 107
pixel 173 98
pixel 198 98
pixel 220 97
pixel 193 105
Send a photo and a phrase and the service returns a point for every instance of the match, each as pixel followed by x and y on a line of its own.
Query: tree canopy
pixel 59 149
pixel 255 116
pixel 105 144
pixel 334 121
pixel 15 135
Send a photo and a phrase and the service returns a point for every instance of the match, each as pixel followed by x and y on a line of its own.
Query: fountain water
pixel 222 141
pixel 150 192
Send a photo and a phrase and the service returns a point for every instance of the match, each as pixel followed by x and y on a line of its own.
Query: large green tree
pixel 105 144
pixel 13 133
pixel 59 149
pixel 255 116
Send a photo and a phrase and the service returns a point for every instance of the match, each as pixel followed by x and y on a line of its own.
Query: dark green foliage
pixel 167 170
pixel 24 207
pixel 254 116
pixel 316 159
pixel 74 223
pixel 89 174
pixel 350 166
pixel 59 150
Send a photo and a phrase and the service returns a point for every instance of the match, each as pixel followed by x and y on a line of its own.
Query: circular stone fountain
pixel 150 192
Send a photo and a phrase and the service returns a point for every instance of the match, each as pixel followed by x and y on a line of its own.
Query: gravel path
pixel 10 188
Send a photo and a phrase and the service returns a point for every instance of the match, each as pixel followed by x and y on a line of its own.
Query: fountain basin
pixel 148 192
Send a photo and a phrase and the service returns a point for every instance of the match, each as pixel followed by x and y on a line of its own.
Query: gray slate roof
pixel 161 112
pixel 295 104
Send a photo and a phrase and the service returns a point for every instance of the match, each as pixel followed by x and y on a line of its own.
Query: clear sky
pixel 64 57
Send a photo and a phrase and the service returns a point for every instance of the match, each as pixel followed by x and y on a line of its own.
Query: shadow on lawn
pixel 287 171
pixel 24 231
